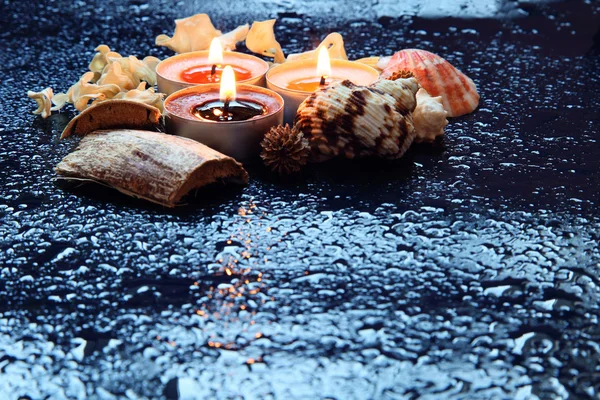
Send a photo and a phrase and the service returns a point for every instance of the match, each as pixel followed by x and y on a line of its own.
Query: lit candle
pixel 215 56
pixel 206 67
pixel 227 108
pixel 211 73
pixel 323 72
pixel 231 118
pixel 296 80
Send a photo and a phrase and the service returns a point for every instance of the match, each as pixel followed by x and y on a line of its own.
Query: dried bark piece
pixel 113 114
pixel 149 165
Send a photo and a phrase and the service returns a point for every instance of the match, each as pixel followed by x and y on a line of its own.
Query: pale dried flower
pixel 334 43
pixel 261 40
pixel 143 95
pixel 84 91
pixel 101 60
pixel 43 100
pixel 230 39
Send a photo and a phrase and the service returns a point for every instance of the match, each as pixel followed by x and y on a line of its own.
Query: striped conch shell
pixel 351 121
pixel 439 78
pixel 429 117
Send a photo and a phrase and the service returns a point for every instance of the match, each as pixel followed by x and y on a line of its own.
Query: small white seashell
pixel 429 117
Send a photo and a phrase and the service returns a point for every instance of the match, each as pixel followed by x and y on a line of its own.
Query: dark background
pixel 468 269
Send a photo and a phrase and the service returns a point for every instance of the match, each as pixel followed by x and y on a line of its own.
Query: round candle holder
pixel 238 139
pixel 280 76
pixel 169 71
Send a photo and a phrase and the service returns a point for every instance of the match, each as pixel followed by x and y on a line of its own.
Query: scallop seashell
pixel 439 78
pixel 351 121
pixel 429 117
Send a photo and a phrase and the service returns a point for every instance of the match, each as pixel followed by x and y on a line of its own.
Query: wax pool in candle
pixel 322 73
pixel 237 138
pixel 308 84
pixel 188 69
pixel 203 74
pixel 184 105
pixel 218 110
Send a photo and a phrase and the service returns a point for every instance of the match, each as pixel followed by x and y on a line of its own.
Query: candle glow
pixel 215 53
pixel 210 71
pixel 323 72
pixel 323 65
pixel 227 91
pixel 227 109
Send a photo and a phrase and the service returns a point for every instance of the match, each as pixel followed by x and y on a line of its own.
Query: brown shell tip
pixel 401 74
pixel 285 150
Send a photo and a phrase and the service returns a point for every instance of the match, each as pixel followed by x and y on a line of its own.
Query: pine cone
pixel 285 150
pixel 402 74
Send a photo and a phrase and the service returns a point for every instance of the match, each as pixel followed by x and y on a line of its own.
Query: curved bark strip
pixel 114 114
pixel 150 165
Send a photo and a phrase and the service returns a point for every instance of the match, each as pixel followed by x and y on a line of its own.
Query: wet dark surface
pixel 465 270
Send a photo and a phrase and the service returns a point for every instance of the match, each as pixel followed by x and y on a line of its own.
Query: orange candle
pixel 206 67
pixel 211 73
pixel 296 80
pixel 310 84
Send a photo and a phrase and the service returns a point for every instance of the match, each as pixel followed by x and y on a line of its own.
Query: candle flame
pixel 323 63
pixel 215 53
pixel 227 92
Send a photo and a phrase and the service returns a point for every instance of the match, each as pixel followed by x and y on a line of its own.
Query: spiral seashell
pixel 429 117
pixel 351 121
pixel 439 78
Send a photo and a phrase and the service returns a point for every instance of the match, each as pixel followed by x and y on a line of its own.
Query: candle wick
pixel 322 80
pixel 226 107
pixel 214 69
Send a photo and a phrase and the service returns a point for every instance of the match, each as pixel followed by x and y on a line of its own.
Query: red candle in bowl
pixel 206 67
pixel 211 73
pixel 230 118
